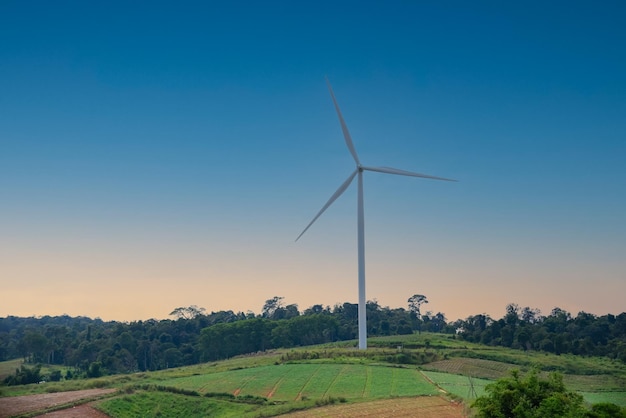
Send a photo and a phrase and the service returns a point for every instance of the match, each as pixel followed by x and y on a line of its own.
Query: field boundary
pixel 32 405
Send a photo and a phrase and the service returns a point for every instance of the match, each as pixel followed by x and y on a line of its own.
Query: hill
pixel 285 380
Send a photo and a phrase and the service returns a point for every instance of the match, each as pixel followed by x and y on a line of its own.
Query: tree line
pixel 92 347
pixel 559 332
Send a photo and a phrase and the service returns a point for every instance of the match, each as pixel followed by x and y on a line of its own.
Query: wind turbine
pixel 360 217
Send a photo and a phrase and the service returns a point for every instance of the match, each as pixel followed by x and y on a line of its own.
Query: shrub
pixel 534 397
pixel 55 376
pixel 24 376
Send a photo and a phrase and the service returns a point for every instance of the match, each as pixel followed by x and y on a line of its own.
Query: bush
pixel 606 410
pixel 95 369
pixel 55 376
pixel 529 397
pixel 24 376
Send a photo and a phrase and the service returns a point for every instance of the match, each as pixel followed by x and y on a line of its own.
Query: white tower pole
pixel 361 239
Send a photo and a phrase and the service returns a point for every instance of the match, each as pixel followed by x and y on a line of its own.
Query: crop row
pixel 290 382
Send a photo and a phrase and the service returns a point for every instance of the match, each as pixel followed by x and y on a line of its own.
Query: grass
pixel 291 382
pixel 8 367
pixel 618 398
pixel 459 385
pixel 595 383
pixel 486 369
pixel 157 404
pixel 594 389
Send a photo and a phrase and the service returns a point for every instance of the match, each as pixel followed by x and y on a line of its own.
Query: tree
pixel 606 410
pixel 438 322
pixel 189 312
pixel 35 346
pixel 512 314
pixel 531 315
pixel 415 303
pixel 24 375
pixel 530 397
pixel 316 309
pixel 271 306
pixel 95 369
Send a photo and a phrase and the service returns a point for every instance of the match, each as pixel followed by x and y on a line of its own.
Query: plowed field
pixel 418 407
pixel 16 405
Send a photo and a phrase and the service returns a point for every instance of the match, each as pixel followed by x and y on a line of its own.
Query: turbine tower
pixel 360 215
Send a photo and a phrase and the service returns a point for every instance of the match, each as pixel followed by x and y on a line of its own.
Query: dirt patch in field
pixel 16 405
pixel 81 411
pixel 419 407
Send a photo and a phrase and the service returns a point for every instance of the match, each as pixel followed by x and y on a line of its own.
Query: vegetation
pixel 284 380
pixel 291 382
pixel 559 333
pixel 92 347
pixel 236 364
pixel 461 386
pixel 535 397
pixel 158 403
pixel 25 375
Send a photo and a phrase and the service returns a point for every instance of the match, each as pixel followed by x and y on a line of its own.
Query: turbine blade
pixel 334 197
pixel 344 127
pixel 389 170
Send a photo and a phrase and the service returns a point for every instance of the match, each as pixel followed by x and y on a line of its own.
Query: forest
pixel 93 347
pixel 525 328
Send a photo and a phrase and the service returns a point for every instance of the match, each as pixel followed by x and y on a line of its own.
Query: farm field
pixel 485 369
pixel 454 377
pixel 417 407
pixel 292 382
pixel 462 386
pixel 618 398
pixel 160 404
pixel 18 405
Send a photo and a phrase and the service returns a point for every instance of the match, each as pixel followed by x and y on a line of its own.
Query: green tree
pixel 55 376
pixel 24 375
pixel 95 369
pixel 36 347
pixel 530 397
pixel 415 303
pixel 271 307
pixel 190 312
pixel 606 410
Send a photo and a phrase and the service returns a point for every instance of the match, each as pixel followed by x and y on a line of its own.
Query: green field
pixel 464 387
pixel 292 382
pixel 158 404
pixel 8 367
pixel 469 388
pixel 618 398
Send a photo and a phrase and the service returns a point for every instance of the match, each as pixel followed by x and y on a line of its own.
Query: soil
pixel 418 407
pixel 15 405
pixel 81 411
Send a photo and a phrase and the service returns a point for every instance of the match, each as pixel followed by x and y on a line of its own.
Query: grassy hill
pixel 281 381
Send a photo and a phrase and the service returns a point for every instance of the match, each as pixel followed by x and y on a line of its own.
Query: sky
pixel 163 154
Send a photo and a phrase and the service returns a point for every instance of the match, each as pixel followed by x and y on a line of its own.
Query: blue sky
pixel 156 155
